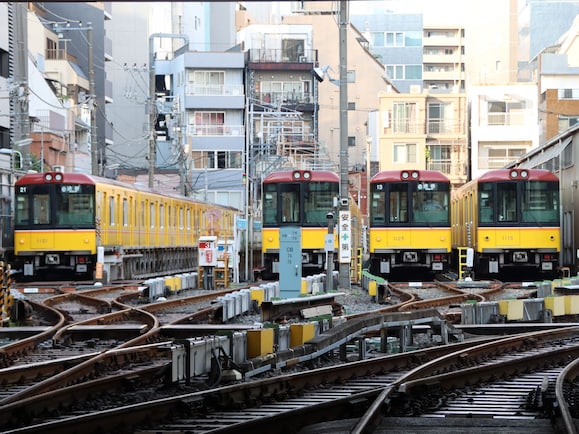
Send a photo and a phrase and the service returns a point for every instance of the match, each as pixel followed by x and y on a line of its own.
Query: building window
pixel 206 82
pixel 404 117
pixel 377 39
pixel 506 112
pixel 209 123
pixel 4 138
pixel 404 153
pixel 566 122
pixel 292 50
pixel 4 58
pixel 413 39
pixel 394 39
pixel 282 92
pixel 51 49
pixel 351 140
pixel 440 118
pixel 413 72
pixel 439 158
pixel 216 160
pixel 568 93
pixel 499 157
pixel 404 72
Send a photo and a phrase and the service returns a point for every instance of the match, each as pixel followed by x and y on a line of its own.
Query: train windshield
pixel 282 203
pixel 417 203
pixel 57 205
pixel 539 202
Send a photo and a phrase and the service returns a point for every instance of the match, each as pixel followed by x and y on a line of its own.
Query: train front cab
pixel 303 199
pixel 54 227
pixel 409 223
pixel 516 224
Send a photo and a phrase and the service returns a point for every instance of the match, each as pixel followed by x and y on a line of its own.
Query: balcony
pixel 214 90
pixel 506 119
pixel 273 55
pixel 222 96
pixel 216 130
pixel 284 98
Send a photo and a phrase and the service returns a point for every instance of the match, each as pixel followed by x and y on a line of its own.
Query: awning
pixel 543 155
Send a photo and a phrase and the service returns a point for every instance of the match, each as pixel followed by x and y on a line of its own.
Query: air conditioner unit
pixel 303 59
pixel 58 168
pixel 415 88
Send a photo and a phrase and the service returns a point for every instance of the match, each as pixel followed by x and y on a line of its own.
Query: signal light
pixel 244 179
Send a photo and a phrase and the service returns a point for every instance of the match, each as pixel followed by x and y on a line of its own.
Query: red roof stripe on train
pixel 38 178
pixel 395 176
pixel 85 179
pixel 287 176
pixel 504 175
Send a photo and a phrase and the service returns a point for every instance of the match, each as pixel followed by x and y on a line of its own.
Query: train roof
pixel 86 179
pixel 290 176
pixel 505 175
pixel 421 175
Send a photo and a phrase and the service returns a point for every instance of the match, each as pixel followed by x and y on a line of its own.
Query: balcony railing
pixel 214 90
pixel 281 98
pixel 215 130
pixel 272 55
pixel 506 119
pixel 440 127
pixel 493 162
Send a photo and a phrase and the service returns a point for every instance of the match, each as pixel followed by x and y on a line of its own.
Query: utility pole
pixel 19 89
pixel 91 100
pixel 93 137
pixel 153 100
pixel 344 267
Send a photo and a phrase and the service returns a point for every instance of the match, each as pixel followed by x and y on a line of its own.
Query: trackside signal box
pixel 208 251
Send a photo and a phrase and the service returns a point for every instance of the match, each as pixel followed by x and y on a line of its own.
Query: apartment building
pixel 503 124
pixel 83 45
pixel 424 131
pixel 558 75
pixel 444 60
pixel 200 111
pixel 282 99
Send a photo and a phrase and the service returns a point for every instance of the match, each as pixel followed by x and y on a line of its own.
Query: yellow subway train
pixel 510 218
pixel 307 199
pixel 409 231
pixel 78 226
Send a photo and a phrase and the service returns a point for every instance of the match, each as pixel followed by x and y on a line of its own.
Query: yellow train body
pixel 140 232
pixel 510 220
pixel 385 239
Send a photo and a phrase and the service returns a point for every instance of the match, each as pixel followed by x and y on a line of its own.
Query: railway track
pixel 360 390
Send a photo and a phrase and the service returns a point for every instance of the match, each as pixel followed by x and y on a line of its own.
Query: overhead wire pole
pixel 93 137
pixel 344 267
pixel 153 97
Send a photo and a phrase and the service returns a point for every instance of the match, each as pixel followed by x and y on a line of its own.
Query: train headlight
pixel 58 177
pixel 307 175
pixel 414 175
pixel 297 175
pixel 514 174
pixel 48 177
pixel 404 175
pixel 524 174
